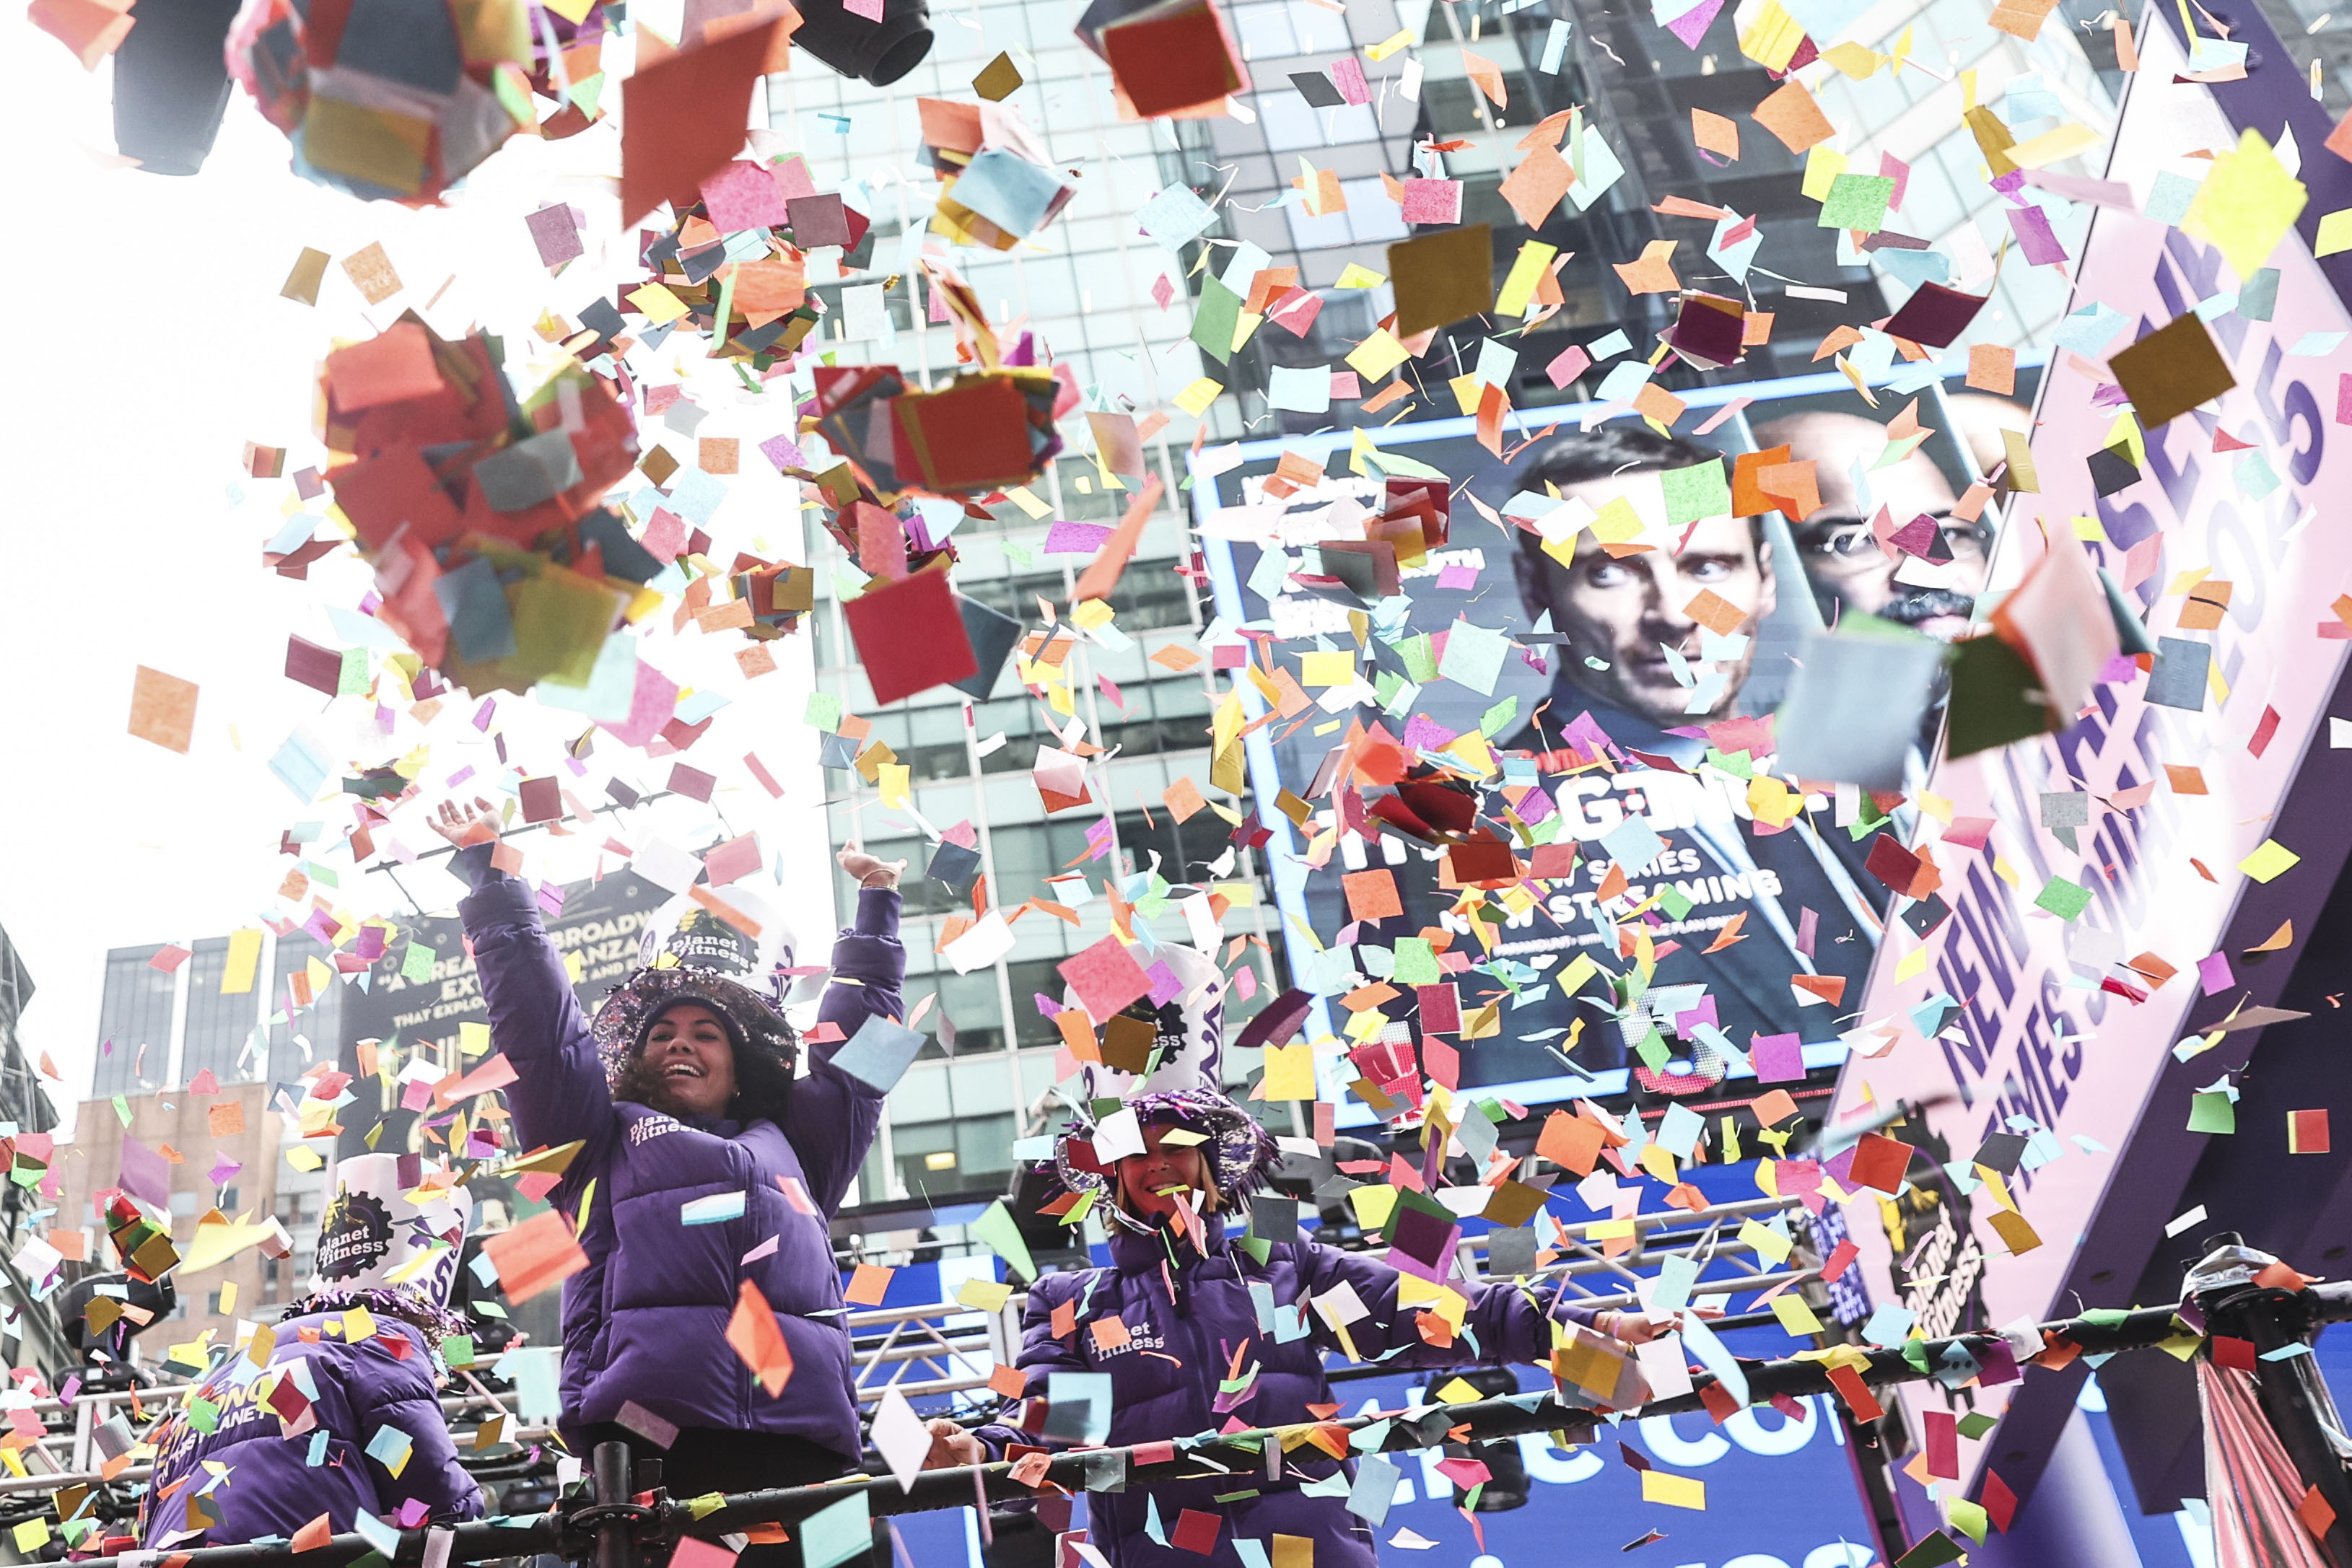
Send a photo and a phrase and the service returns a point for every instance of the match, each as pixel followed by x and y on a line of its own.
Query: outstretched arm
pixel 1041 1355
pixel 832 1117
pixel 559 1093
pixel 1507 1322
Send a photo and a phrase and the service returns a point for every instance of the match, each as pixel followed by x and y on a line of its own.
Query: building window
pixel 969 1000
pixel 966 1155
pixel 319 1024
pixel 134 1015
pixel 218 1026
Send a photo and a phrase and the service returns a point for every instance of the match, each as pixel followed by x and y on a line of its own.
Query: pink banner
pixel 2030 1042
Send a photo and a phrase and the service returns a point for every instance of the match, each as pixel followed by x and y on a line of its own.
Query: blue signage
pixel 1780 1494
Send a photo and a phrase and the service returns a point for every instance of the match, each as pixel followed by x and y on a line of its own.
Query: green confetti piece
pixel 2062 898
pixel 1416 962
pixel 2213 1112
pixel 1857 202
pixel 1695 492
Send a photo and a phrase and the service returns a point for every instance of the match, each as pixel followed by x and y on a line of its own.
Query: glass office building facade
pixel 1085 287
pixel 159 1027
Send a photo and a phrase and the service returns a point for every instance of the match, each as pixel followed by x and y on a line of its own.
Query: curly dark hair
pixel 764 1068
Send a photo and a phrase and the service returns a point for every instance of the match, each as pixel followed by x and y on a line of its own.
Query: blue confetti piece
pixel 711 1210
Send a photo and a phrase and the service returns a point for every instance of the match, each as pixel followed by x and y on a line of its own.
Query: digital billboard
pixel 1613 619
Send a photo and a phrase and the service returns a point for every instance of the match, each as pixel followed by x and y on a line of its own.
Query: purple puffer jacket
pixel 1164 1381
pixel 274 1487
pixel 646 1322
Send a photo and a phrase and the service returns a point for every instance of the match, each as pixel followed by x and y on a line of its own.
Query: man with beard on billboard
pixel 1843 559
pixel 1753 907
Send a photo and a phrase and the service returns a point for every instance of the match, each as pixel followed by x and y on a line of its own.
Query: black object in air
pixel 876 52
pixel 170 83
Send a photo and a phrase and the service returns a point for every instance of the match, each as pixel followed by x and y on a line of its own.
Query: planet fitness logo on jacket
pixel 1140 1336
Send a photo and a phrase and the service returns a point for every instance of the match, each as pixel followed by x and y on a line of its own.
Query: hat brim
pixel 1243 1155
pixel 621 1022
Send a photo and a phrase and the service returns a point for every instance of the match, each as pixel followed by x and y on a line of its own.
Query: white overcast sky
pixel 148 345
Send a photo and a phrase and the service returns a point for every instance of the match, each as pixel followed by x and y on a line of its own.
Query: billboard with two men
pixel 1623 641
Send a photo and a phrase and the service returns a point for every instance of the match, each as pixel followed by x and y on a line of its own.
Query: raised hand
pixel 862 868
pixel 463 825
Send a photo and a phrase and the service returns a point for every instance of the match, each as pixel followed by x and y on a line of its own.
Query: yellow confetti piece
pixel 1458 1391
pixel 2269 859
pixel 1290 1072
pixel 1795 1315
pixel 658 303
pixel 1356 275
pixel 2335 232
pixel 1332 669
pixel 1767 1243
pixel 1674 1492
pixel 1193 399
pixel 984 1295
pixel 2052 145
pixel 1824 164
pixel 1857 62
pixel 1519 286
pixel 1372 1205
pixel 1377 355
pixel 2246 204
pixel 1772 39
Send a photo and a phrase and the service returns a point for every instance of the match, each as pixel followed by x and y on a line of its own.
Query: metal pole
pixel 2294 1399
pixel 614 1515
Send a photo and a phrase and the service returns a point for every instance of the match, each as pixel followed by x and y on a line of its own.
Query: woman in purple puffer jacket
pixel 705 1165
pixel 1186 1297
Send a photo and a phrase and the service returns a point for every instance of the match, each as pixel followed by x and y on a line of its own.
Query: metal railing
pixel 609 1524
pixel 939 1348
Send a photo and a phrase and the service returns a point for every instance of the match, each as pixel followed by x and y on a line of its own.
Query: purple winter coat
pixel 1154 1398
pixel 273 1488
pixel 646 1322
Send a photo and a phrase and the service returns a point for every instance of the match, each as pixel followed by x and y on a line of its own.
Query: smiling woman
pixel 684 1091
pixel 687 1065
